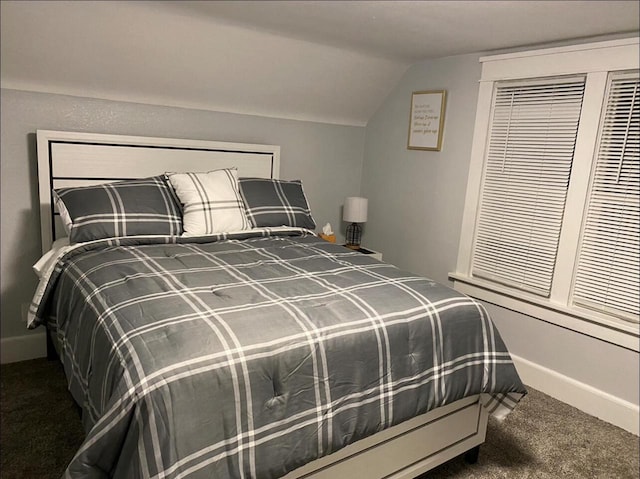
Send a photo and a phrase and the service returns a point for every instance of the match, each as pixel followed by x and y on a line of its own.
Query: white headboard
pixel 76 159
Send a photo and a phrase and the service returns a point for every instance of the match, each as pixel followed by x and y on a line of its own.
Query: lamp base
pixel 354 233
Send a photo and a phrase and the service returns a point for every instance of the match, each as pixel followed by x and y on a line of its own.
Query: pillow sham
pixel 211 202
pixel 270 202
pixel 144 206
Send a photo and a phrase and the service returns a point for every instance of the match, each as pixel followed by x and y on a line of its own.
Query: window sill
pixel 585 322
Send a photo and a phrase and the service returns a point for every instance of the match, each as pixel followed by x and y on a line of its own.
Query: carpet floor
pixel 40 430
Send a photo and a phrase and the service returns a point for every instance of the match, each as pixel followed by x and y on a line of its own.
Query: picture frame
pixel 426 120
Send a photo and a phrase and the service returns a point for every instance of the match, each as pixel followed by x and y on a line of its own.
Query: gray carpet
pixel 543 438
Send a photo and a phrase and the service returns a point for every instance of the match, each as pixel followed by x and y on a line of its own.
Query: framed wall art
pixel 426 120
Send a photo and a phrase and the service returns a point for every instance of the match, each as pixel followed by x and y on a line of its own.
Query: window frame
pixel 595 61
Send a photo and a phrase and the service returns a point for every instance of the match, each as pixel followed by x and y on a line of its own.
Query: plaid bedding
pixel 211 201
pixel 251 356
pixel 123 208
pixel 271 202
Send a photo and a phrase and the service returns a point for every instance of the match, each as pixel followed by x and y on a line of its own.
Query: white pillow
pixel 211 202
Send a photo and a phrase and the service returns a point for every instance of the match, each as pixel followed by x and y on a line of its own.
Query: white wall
pixel 328 159
pixel 416 202
pixel 416 198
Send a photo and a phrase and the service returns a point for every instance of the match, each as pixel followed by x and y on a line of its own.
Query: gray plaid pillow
pixel 146 206
pixel 271 202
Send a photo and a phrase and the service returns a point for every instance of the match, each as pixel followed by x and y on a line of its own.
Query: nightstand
pixel 374 254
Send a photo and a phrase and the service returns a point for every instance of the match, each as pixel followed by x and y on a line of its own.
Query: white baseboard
pixel 593 401
pixel 21 348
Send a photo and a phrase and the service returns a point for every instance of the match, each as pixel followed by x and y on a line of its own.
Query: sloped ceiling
pixel 325 61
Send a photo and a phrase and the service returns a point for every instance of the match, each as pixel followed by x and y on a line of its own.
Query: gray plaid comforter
pixel 249 357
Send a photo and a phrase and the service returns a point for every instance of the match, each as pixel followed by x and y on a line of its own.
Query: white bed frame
pixel 82 159
pixel 74 159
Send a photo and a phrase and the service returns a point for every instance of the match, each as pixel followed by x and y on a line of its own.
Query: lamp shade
pixel 355 209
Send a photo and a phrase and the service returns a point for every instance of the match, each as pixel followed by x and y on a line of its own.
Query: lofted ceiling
pixel 328 61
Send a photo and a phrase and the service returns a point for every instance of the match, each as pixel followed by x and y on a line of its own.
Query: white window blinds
pixel 608 273
pixel 532 136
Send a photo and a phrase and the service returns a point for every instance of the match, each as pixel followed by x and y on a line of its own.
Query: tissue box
pixel 329 238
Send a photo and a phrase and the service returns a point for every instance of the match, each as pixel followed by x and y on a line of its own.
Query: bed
pixel 256 351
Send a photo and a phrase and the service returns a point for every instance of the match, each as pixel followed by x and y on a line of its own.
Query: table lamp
pixel 354 212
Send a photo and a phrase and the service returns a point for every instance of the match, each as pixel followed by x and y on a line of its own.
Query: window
pixel 532 138
pixel 552 216
pixel 608 272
